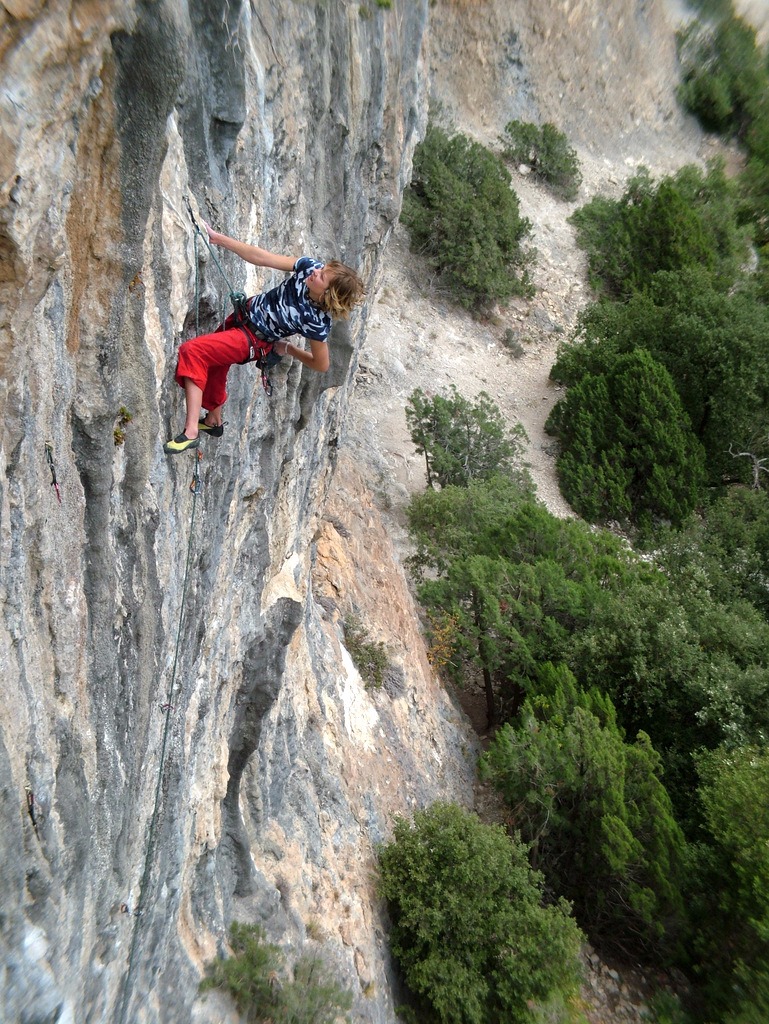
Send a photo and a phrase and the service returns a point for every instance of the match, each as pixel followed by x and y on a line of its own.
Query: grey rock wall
pixel 292 125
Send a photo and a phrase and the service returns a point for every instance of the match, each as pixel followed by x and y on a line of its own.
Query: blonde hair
pixel 344 293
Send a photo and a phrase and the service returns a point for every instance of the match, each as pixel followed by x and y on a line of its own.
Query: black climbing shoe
pixel 181 443
pixel 211 431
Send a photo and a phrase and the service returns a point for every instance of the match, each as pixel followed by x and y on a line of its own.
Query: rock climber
pixel 305 303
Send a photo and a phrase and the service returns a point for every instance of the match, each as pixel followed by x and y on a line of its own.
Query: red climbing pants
pixel 206 361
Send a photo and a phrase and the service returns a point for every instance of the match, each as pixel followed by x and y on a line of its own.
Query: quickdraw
pixel 49 457
pixel 34 817
pixel 196 485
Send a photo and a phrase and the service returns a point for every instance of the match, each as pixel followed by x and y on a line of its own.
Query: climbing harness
pixel 167 708
pixel 260 348
pixel 49 457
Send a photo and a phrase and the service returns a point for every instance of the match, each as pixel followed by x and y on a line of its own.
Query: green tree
pixel 465 219
pixel 595 814
pixel 457 522
pixel 726 548
pixel 513 580
pixel 754 200
pixel 679 238
pixel 690 671
pixel 477 593
pixel 469 930
pixel 726 84
pixel 499 517
pixel 461 440
pixel 688 220
pixel 628 450
pixel 680 645
pixel 724 73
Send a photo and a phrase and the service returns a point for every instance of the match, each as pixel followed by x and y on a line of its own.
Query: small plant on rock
pixel 369 656
pixel 255 979
pixel 512 342
pixel 124 417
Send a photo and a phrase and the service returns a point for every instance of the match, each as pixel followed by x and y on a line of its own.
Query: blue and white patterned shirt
pixel 288 309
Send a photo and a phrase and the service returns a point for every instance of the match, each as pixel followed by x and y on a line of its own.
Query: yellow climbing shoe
pixel 181 443
pixel 215 431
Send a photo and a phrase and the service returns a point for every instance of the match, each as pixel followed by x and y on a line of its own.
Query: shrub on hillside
pixel 688 220
pixel 462 440
pixel 465 220
pixel 726 85
pixel 546 150
pixel 724 79
pixel 469 930
pixel 712 344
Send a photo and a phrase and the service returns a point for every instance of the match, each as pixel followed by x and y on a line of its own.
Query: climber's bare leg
pixel 193 396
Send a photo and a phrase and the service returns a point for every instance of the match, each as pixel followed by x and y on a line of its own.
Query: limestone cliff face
pixel 261 792
pixel 290 124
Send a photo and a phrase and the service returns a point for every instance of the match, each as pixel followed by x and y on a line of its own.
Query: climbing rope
pixel 237 298
pixel 167 708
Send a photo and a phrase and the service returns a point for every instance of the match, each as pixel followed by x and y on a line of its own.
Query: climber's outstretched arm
pixel 316 359
pixel 251 253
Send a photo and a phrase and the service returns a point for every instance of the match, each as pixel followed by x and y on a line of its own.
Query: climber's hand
pixel 280 347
